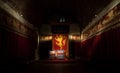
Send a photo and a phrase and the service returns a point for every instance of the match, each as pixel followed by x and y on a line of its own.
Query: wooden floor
pixel 58 66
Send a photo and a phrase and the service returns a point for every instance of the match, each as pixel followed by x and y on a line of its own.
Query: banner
pixel 60 42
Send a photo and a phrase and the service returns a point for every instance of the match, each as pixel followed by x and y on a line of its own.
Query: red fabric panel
pixel 105 46
pixel 17 46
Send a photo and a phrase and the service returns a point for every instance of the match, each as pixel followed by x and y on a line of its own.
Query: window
pixel 62 19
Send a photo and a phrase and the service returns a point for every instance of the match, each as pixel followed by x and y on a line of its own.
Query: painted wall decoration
pixel 103 23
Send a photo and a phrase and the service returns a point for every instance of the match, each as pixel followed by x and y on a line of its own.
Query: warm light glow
pixel 60 51
pixel 70 36
pixel 82 37
pixel 52 52
pixel 46 38
pixel 50 37
pixel 74 37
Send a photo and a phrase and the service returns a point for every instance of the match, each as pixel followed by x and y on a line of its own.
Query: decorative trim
pixel 15 31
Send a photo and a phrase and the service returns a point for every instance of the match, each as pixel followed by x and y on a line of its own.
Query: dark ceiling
pixel 40 12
